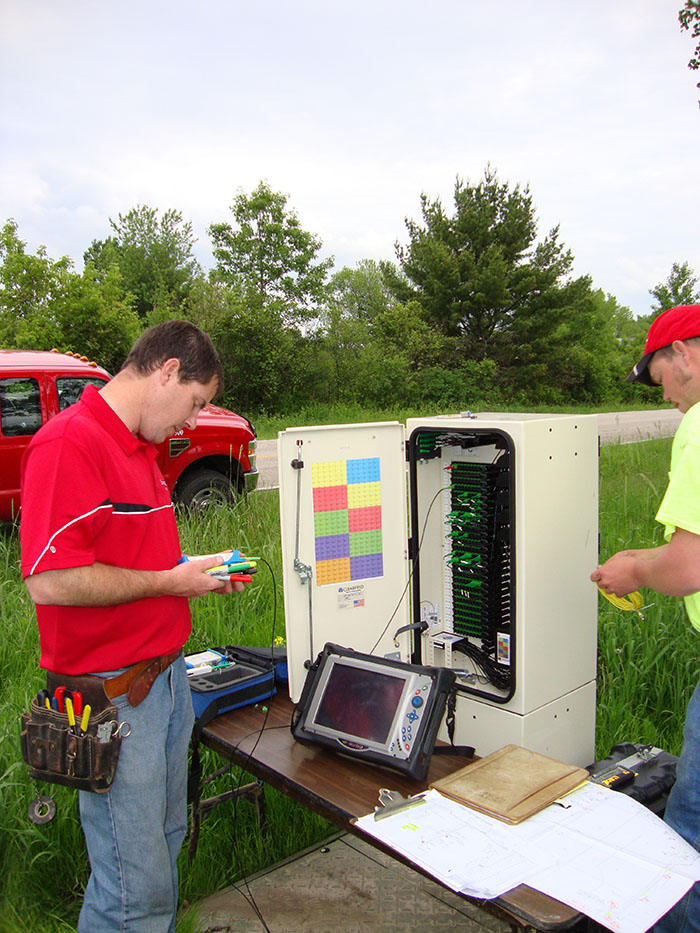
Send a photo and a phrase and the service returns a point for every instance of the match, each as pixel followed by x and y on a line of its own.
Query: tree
pixel 269 257
pixel 45 304
pixel 95 319
pixel 480 275
pixel 260 357
pixel 356 299
pixel 687 17
pixel 361 293
pixel 680 288
pixel 28 284
pixel 155 257
pixel 563 349
pixel 474 269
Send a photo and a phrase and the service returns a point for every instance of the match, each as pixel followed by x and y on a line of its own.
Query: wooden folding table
pixel 342 789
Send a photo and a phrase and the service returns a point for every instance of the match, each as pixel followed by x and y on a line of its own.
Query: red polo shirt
pixel 92 493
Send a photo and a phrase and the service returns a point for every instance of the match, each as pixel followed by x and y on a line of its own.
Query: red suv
pixel 208 465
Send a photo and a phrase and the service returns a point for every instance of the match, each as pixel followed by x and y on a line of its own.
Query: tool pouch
pixel 55 753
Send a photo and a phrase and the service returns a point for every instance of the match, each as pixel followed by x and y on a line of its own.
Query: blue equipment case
pixel 249 678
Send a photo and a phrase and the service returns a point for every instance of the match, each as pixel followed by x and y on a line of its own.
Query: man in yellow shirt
pixel 672 360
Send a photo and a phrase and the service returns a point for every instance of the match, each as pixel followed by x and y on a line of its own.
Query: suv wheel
pixel 204 489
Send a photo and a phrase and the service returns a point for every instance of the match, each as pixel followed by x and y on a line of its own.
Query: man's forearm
pixel 666 574
pixel 106 585
pixel 646 553
pixel 672 569
pixel 94 585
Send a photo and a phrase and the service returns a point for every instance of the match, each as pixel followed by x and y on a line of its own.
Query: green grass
pixel 647 667
pixel 647 670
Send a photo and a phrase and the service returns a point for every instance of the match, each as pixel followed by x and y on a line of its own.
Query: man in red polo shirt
pixel 100 553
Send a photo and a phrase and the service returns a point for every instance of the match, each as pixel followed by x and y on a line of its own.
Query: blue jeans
pixel 135 830
pixel 683 815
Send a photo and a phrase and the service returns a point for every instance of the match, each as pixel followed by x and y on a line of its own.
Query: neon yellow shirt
pixel 680 507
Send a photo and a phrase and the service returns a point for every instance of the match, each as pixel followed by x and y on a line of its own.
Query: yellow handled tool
pixel 71 715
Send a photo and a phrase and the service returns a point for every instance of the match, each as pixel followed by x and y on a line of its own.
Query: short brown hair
pixel 180 340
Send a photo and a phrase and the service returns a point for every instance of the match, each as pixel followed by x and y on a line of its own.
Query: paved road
pixel 267 464
pixel 627 427
pixel 624 427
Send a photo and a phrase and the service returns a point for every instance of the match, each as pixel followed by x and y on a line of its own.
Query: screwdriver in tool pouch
pixel 71 716
pixel 42 699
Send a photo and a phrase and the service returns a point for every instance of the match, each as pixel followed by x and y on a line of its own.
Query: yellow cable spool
pixel 633 602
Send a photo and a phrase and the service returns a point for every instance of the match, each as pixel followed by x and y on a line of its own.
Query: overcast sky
pixel 353 110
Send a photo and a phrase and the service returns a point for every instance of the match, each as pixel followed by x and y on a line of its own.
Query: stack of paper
pixel 601 853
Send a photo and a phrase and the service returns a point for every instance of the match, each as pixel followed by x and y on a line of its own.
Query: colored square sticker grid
pixel 347 520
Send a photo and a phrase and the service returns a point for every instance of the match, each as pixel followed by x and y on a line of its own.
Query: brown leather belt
pixel 138 679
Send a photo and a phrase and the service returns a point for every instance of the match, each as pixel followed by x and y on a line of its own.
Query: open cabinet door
pixel 343 512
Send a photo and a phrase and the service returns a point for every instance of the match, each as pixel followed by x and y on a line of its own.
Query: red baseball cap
pixel 680 323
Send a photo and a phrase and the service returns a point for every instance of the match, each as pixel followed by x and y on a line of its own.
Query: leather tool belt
pixel 137 680
pixel 61 753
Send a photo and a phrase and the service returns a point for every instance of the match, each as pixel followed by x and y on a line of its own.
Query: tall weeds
pixel 647 667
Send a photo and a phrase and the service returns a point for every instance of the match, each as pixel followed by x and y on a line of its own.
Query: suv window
pixel 20 406
pixel 70 388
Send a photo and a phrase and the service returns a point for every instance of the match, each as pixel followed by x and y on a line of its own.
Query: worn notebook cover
pixel 512 783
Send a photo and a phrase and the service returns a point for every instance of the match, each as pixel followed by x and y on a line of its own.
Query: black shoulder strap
pixel 466 751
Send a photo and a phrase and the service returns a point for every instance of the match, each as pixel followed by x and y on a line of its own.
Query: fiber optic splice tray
pixel 489 578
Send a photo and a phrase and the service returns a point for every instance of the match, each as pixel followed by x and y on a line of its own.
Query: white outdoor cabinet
pixel 492 581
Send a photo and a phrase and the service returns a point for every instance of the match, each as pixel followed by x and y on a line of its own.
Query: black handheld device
pixel 373 709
